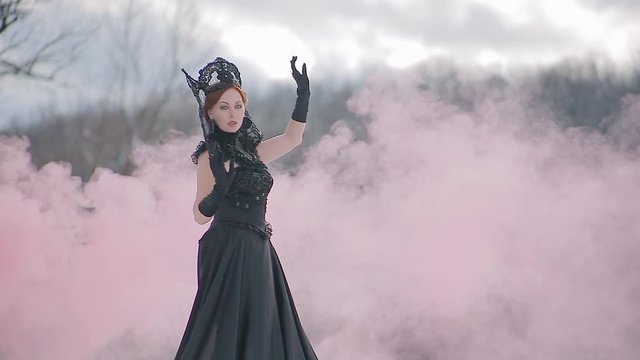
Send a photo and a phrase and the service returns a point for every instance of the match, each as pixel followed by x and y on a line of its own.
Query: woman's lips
pixel 232 123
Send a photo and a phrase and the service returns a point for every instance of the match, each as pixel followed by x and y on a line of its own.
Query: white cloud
pixel 517 12
pixel 269 46
pixel 401 32
pixel 488 57
pixel 400 52
pixel 600 31
pixel 343 33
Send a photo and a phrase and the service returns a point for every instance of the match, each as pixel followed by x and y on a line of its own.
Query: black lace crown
pixel 226 75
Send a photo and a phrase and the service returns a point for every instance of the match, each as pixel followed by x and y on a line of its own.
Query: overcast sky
pixel 334 37
pixel 402 32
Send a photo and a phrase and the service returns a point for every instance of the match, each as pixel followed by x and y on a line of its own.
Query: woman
pixel 243 308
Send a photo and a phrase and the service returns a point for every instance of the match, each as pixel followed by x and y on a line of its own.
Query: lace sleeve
pixel 202 147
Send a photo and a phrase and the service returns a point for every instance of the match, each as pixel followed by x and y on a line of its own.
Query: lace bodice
pixel 246 200
pixel 250 186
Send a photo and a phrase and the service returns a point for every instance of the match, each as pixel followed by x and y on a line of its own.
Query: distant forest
pixel 581 93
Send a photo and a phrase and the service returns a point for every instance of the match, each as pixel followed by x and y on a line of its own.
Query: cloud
pixel 618 5
pixel 521 33
pixel 338 39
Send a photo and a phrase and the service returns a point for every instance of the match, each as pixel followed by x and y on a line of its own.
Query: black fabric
pixel 209 204
pixel 243 308
pixel 240 146
pixel 200 148
pixel 301 108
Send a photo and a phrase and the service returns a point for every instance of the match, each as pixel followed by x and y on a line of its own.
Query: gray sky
pixel 335 37
pixel 402 32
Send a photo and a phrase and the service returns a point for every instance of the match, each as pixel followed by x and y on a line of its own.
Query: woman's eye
pixel 223 108
pixel 238 107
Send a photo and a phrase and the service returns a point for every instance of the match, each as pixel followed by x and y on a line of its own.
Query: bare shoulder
pixel 205 177
pixel 203 157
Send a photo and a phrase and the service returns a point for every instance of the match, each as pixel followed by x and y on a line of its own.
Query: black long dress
pixel 243 309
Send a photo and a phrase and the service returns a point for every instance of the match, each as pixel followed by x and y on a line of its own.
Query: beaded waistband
pixel 265 232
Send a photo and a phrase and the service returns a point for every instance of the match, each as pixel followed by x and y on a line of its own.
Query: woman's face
pixel 228 112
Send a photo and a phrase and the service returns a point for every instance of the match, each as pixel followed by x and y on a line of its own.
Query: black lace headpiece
pixel 226 75
pixel 216 75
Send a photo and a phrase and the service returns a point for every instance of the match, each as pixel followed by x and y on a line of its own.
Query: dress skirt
pixel 243 309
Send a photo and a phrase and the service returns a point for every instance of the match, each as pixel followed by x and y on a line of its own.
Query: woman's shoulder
pixel 200 148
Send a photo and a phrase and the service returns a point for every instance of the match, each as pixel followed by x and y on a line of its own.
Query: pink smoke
pixel 484 234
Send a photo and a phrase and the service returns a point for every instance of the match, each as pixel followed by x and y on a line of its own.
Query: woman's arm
pixel 277 146
pixel 205 182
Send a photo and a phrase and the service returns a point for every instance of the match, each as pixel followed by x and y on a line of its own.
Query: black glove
pixel 302 102
pixel 224 178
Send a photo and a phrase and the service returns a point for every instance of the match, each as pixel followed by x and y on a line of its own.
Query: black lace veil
pixel 240 146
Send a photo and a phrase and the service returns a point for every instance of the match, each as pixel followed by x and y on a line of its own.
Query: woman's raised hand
pixel 302 102
pixel 301 78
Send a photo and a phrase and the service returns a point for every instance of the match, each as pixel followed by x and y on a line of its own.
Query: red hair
pixel 213 97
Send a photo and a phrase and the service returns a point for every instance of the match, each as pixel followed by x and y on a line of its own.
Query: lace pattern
pixel 240 147
pixel 200 148
pixel 250 187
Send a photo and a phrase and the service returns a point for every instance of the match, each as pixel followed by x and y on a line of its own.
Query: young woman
pixel 243 309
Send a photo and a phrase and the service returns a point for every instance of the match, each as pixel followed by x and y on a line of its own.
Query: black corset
pixel 250 186
pixel 246 201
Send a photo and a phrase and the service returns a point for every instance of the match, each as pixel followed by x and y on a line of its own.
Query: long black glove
pixel 302 102
pixel 224 178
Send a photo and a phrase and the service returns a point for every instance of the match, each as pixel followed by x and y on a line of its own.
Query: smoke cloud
pixel 445 233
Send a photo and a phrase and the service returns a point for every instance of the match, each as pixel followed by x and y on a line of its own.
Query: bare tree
pixel 145 95
pixel 22 55
pixel 141 100
pixel 10 12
